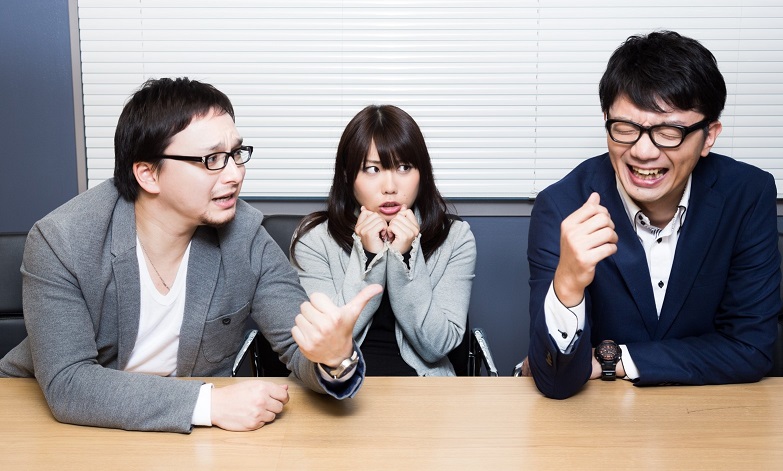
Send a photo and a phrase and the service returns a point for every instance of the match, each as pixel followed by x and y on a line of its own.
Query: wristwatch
pixel 608 354
pixel 345 366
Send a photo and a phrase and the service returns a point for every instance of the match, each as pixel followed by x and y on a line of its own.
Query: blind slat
pixel 504 91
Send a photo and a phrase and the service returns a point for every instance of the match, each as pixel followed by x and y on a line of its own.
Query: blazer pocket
pixel 223 335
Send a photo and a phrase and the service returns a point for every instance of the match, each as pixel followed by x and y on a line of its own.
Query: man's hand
pixel 247 405
pixel 324 332
pixel 587 236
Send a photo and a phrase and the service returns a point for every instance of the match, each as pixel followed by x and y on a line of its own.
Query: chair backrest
pixel 777 354
pixel 12 330
pixel 461 357
pixel 281 227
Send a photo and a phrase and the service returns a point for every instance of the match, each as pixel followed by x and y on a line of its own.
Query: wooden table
pixel 432 423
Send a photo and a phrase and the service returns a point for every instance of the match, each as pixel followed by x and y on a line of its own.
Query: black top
pixel 381 352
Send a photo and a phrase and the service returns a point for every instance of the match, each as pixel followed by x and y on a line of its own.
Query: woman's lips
pixel 390 208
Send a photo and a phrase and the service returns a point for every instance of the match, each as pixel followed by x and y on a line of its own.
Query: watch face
pixel 607 351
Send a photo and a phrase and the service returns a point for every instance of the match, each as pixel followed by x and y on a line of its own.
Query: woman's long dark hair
pixel 398 140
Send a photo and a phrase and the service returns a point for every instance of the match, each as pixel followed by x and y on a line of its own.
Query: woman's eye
pixel 404 168
pixel 371 169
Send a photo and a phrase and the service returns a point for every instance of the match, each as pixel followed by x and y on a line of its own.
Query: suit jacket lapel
pixel 125 267
pixel 630 259
pixel 203 270
pixel 701 219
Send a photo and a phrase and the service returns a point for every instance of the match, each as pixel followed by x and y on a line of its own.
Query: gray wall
pixel 38 169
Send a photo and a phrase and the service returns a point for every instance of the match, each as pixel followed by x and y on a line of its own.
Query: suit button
pixel 226 321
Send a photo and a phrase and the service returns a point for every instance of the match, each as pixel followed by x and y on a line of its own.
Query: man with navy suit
pixel 656 262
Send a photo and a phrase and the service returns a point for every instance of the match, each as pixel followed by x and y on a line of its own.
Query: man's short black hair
pixel 664 68
pixel 159 110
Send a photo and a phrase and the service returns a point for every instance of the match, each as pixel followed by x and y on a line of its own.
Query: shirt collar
pixel 633 211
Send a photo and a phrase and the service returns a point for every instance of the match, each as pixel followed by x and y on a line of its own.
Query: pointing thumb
pixel 355 306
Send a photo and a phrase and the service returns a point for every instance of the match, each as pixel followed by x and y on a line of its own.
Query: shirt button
pixel 226 321
pixel 660 284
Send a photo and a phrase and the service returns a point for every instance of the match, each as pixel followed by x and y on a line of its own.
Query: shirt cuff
pixel 631 371
pixel 202 413
pixel 330 379
pixel 565 324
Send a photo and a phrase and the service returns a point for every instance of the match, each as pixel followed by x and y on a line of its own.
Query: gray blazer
pixel 81 306
pixel 430 300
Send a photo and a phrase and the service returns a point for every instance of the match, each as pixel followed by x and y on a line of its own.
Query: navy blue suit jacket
pixel 718 320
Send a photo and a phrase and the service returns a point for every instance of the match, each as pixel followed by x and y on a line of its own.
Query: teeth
pixel 646 172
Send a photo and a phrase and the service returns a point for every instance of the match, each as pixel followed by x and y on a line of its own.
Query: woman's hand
pixel 372 230
pixel 403 230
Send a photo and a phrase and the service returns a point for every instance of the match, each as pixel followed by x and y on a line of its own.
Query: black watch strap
pixel 608 370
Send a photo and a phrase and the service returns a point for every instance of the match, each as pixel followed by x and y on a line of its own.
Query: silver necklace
pixel 153 266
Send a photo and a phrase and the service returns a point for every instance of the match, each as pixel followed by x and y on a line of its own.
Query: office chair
pixel 12 329
pixel 468 358
pixel 777 353
pixel 247 352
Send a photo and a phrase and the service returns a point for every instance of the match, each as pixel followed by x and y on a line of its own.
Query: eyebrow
pixel 219 147
pixel 674 122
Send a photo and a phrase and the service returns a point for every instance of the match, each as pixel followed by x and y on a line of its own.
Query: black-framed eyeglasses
pixel 665 136
pixel 218 160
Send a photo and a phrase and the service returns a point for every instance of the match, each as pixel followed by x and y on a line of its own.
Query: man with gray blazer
pixel 154 273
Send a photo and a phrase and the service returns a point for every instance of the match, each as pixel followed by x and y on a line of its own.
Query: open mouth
pixel 390 207
pixel 225 200
pixel 647 173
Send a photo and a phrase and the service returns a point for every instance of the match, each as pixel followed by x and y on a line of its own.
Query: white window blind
pixel 504 91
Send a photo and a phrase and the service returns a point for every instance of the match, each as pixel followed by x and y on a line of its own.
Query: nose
pixel 389 182
pixel 232 173
pixel 644 149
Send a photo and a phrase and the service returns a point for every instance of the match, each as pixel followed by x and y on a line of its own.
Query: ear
pixel 712 135
pixel 147 177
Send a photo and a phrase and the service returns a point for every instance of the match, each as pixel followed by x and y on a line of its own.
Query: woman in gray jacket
pixel 387 223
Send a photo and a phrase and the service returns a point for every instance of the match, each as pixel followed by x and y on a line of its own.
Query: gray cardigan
pixel 81 306
pixel 430 300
